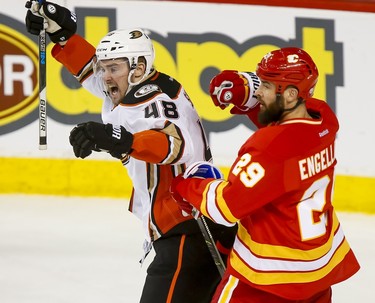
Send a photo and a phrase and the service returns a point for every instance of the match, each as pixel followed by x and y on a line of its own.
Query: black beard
pixel 271 113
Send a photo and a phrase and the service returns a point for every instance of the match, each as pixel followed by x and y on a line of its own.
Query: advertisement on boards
pixel 193 42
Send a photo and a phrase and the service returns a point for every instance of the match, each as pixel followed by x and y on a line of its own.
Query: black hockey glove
pixel 89 136
pixel 59 22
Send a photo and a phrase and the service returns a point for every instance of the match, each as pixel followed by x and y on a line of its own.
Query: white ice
pixel 87 250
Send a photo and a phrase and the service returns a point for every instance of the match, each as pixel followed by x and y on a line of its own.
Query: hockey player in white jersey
pixel 150 124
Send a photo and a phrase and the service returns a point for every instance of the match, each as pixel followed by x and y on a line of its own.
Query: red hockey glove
pixel 184 205
pixel 233 87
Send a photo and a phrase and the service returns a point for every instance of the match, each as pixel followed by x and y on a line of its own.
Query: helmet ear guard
pixel 290 66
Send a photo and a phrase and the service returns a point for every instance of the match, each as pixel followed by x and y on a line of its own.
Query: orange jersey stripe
pixel 178 269
pixel 163 146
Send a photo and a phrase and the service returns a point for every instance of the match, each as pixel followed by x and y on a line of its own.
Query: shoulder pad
pixel 158 84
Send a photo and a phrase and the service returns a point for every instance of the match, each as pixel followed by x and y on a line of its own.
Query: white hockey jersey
pixel 168 135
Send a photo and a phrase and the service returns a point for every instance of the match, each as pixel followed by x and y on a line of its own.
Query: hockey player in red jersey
pixel 152 126
pixel 290 246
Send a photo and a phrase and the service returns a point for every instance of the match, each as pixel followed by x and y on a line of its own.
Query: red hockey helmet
pixel 289 66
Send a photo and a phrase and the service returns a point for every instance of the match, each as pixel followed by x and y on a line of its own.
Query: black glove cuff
pixel 61 35
pixel 122 140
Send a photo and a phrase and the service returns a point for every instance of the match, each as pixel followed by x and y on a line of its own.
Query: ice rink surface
pixel 87 250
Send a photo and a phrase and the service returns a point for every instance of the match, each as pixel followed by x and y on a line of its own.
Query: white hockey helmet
pixel 127 43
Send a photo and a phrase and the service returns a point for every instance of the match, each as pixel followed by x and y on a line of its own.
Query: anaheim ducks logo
pixel 18 80
pixel 135 34
pixel 146 89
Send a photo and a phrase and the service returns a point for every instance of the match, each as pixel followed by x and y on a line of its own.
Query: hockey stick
pixel 42 89
pixel 210 242
pixel 199 169
pixel 42 83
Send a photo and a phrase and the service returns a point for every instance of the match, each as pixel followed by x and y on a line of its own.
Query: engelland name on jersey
pixel 316 163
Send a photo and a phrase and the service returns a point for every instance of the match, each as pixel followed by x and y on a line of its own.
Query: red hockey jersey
pixel 279 190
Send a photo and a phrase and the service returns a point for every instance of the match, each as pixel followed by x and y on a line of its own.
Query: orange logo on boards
pixel 18 75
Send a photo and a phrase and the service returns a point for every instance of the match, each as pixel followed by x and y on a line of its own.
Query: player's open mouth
pixel 113 91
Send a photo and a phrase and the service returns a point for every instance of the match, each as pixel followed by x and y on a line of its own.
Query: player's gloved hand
pixel 184 205
pixel 59 22
pixel 202 170
pixel 89 136
pixel 233 87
